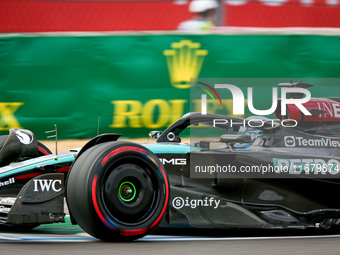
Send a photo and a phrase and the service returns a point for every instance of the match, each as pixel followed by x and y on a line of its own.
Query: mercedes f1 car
pixel 117 190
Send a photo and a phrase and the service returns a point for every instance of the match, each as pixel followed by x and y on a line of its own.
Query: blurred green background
pixel 138 82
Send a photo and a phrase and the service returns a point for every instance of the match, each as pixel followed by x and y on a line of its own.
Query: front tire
pixel 117 191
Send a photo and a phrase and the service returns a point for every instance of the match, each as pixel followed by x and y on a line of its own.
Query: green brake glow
pixel 131 191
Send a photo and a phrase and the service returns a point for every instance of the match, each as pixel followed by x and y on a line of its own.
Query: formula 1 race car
pixel 118 191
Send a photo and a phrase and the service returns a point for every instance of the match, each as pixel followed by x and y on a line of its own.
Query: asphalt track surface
pixel 67 239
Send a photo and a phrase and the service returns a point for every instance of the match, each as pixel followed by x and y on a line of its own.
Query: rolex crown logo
pixel 184 62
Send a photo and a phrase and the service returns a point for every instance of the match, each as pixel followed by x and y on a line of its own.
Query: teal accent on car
pixel 178 148
pixel 33 163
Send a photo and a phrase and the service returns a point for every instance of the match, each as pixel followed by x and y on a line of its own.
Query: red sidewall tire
pixel 96 199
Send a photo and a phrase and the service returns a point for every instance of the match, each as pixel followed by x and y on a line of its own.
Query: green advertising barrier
pixel 138 83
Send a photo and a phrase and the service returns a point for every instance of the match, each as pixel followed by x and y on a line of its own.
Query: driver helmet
pixel 199 6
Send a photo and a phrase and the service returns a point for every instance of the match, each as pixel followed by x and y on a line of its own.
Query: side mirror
pixel 155 134
pixel 235 139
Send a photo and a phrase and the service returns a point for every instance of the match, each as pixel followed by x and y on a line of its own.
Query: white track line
pixel 185 238
pixel 83 237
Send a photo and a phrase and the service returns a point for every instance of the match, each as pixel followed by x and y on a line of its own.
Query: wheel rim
pixel 129 194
